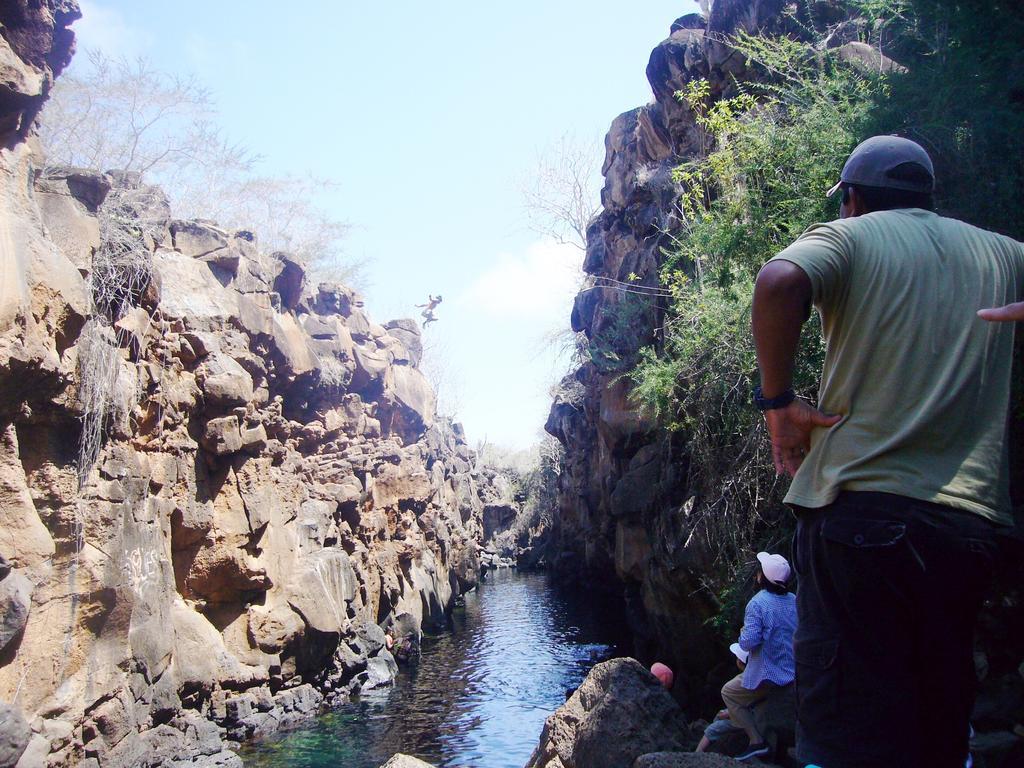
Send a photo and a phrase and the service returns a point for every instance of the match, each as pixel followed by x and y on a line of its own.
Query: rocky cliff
pixel 623 492
pixel 220 486
pixel 624 495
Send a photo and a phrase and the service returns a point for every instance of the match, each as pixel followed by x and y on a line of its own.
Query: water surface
pixel 480 693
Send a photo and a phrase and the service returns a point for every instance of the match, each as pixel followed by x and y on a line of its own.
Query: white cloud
pixel 106 30
pixel 538 283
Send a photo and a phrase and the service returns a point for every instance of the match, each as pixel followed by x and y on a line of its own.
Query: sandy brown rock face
pixel 271 492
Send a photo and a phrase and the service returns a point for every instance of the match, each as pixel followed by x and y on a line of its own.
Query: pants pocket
pixel 864 533
pixel 817 679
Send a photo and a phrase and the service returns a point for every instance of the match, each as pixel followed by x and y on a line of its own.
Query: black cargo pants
pixel 890 589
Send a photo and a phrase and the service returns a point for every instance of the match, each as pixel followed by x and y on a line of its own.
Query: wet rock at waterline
pixel 405 761
pixel 619 713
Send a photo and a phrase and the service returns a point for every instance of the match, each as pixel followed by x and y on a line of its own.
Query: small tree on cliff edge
pixel 562 196
pixel 115 114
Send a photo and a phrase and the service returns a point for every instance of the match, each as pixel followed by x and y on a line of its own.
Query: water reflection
pixel 480 693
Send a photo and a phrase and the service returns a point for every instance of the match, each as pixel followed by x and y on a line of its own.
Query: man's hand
pixel 790 430
pixel 1007 314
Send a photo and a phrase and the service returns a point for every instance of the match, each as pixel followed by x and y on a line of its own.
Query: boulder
pixel 199 239
pixel 371 363
pixel 14 735
pixel 414 403
pixel 272 629
pixel 189 292
pixel 68 201
pixel 405 761
pixel 224 382
pixel 23 537
pixel 685 760
pixel 15 602
pixel 407 332
pixel 334 299
pixel 619 713
pixel 222 435
pixel 866 58
pixel 321 589
pixel 291 279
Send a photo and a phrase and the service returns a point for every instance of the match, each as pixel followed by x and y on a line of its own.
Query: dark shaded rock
pixel 334 299
pixel 618 713
pixel 637 489
pixel 685 760
pixel 222 436
pixel 497 517
pixel 15 603
pixel 584 308
pixel 291 280
pixel 14 735
pixel 88 187
pixel 689 21
pixel 36 43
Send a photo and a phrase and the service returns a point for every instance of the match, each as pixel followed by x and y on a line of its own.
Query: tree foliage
pixel 772 152
pixel 561 195
pixel 116 114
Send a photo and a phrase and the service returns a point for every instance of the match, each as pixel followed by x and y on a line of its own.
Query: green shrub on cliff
pixel 774 150
pixel 962 97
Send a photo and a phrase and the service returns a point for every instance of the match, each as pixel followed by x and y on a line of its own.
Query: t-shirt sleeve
pixel 823 252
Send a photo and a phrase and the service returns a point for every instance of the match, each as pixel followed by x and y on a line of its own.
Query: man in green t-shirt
pixel 902 477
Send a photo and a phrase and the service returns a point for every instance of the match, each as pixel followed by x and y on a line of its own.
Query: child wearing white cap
pixel 767 635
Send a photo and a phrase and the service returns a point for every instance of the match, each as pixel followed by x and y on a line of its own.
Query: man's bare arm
pixel 782 298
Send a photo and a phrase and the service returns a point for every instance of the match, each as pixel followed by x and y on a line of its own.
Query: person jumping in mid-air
pixel 430 306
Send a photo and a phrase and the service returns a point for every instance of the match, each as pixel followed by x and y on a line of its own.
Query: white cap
pixel 776 568
pixel 739 653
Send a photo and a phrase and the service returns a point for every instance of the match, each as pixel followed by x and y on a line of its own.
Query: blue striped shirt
pixel 768 626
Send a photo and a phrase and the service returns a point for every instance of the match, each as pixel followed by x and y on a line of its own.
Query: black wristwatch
pixel 771 403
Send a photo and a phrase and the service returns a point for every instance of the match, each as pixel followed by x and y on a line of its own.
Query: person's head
pixel 774 573
pixel 663 673
pixel 885 173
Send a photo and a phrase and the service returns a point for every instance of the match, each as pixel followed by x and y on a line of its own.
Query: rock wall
pixel 623 493
pixel 271 491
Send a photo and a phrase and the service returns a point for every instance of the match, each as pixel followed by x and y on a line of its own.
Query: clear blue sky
pixel 428 117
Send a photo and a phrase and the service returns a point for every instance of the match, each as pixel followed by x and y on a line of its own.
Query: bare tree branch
pixel 115 114
pixel 562 196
